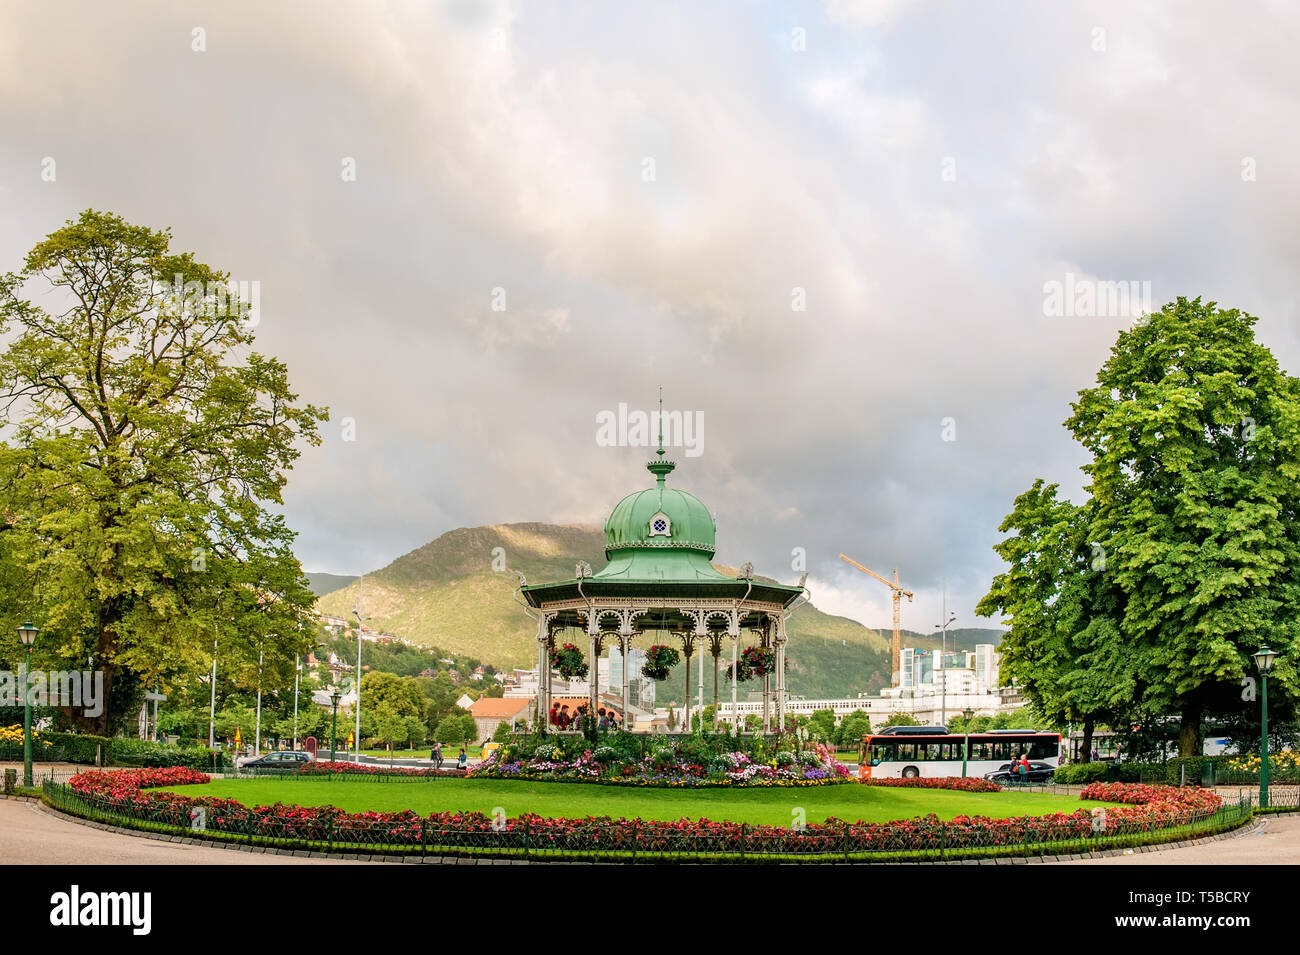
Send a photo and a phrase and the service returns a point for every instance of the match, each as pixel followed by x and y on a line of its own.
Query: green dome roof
pixel 660 517
pixel 660 534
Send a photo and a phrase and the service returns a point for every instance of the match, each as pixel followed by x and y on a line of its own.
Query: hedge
pixel 83 748
pixel 1110 772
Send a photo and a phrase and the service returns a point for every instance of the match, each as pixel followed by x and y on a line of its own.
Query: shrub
pixel 1193 764
pixel 784 758
pixel 547 752
pixel 1074 773
pixel 606 755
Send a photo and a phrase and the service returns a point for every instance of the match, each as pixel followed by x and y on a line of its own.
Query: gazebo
pixel 659 587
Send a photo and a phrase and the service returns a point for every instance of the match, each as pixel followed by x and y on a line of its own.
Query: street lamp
pixel 943 670
pixel 965 743
pixel 334 723
pixel 1264 661
pixel 27 636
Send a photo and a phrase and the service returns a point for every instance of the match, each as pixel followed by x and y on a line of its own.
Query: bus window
pixel 1044 749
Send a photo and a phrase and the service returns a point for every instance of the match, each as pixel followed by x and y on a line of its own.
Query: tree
pixel 1063 649
pixel 853 727
pixel 821 726
pixel 900 719
pixel 456 728
pixel 390 725
pixel 1194 437
pixel 146 462
pixel 400 695
pixel 469 728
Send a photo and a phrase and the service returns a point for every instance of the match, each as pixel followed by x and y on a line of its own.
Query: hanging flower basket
pixel 754 663
pixel 569 661
pixel 658 661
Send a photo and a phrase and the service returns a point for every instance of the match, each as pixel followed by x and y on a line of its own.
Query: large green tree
pixel 146 452
pixel 1063 648
pixel 1191 532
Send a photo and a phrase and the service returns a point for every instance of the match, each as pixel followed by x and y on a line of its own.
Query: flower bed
pixel 120 795
pixel 666 768
pixel 964 784
pixel 1157 797
pixel 120 781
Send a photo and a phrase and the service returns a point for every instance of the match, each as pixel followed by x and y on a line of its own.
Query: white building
pixel 933 688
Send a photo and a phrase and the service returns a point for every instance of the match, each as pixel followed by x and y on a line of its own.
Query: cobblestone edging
pixel 1252 826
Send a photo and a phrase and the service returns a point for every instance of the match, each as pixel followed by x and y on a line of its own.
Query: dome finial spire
pixel 661 421
pixel 661 468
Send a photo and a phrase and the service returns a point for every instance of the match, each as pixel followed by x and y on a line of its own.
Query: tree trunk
pixel 1189 731
pixel 1088 727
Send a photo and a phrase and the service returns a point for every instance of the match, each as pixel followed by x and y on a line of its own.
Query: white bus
pixel 909 752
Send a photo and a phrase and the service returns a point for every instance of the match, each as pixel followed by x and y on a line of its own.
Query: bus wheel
pixel 911 772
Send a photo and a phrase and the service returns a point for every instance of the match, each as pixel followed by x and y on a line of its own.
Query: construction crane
pixel 899 592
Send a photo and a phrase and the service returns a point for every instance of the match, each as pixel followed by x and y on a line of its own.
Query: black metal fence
pixel 604 840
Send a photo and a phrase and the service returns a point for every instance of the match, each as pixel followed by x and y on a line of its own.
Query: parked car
pixel 1038 773
pixel 285 762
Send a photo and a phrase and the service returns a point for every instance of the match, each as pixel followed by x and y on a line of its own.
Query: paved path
pixel 1274 841
pixel 31 835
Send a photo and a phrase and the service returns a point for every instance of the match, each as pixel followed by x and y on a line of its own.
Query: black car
pixel 287 762
pixel 1006 773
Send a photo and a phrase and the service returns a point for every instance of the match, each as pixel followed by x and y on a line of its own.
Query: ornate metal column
pixel 765 640
pixel 625 644
pixel 543 667
pixel 688 649
pixel 593 658
pixel 780 639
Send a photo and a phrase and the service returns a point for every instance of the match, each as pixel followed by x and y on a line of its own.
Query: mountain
pixel 322 583
pixel 457 593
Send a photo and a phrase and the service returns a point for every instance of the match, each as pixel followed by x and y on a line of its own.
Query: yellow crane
pixel 899 592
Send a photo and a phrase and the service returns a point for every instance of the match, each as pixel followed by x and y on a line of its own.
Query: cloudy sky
pixel 825 229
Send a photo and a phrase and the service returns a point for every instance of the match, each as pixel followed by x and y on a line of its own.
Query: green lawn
pixel 766 806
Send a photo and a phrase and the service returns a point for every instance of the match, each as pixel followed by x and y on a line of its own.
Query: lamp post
pixel 965 743
pixel 1264 661
pixel 943 670
pixel 27 636
pixel 297 672
pixel 334 723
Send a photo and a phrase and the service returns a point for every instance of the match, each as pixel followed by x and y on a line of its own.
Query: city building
pixel 491 712
pixel 933 688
